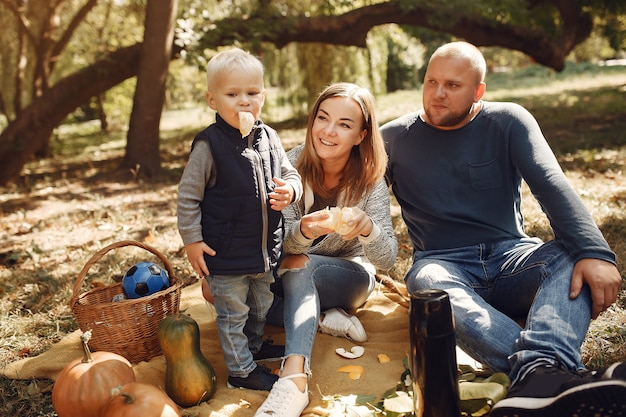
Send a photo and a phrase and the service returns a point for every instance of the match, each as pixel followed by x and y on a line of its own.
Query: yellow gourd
pixel 189 377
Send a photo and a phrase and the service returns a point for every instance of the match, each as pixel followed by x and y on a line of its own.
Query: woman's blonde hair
pixel 368 160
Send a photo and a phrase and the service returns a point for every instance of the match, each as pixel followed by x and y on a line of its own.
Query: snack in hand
pixel 246 123
pixel 338 219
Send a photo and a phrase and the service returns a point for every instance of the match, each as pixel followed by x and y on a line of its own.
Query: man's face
pixel 451 87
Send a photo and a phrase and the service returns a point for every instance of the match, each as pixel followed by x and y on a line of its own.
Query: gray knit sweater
pixel 376 251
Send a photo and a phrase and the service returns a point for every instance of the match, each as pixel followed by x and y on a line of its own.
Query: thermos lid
pixel 431 312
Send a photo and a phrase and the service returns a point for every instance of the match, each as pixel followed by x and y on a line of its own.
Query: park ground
pixel 65 208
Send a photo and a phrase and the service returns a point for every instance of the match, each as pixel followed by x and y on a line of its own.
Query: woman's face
pixel 338 126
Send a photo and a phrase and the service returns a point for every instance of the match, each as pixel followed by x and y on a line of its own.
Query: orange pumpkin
pixel 84 386
pixel 136 399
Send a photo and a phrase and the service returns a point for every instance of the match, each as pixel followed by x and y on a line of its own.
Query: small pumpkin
pixel 189 377
pixel 84 386
pixel 137 399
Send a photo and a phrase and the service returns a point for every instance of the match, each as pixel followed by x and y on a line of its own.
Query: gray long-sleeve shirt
pixel 463 187
pixel 378 250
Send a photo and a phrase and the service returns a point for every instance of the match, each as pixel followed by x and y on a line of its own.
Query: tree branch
pixel 69 31
pixel 351 28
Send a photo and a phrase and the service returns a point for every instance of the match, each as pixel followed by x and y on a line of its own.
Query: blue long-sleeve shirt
pixel 463 187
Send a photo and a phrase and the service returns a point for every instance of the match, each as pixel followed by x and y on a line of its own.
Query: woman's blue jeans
pixel 241 304
pixel 324 282
pixel 493 287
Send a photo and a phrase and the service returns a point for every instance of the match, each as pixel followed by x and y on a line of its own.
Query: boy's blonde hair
pixel 234 59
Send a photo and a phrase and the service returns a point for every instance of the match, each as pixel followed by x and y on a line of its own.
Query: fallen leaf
pixel 24 352
pixel 402 403
pixel 150 237
pixel 354 371
pixel 383 358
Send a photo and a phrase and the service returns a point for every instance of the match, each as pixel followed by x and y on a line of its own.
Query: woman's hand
pixel 309 224
pixel 361 224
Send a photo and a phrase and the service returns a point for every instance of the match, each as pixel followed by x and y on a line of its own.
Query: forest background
pixel 95 125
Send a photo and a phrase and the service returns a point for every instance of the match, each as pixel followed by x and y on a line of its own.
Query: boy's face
pixel 235 91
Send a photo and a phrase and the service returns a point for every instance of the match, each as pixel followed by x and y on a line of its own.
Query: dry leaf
pixel 402 403
pixel 354 371
pixel 383 358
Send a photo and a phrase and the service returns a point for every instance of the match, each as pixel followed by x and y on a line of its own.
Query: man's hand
pixel 603 279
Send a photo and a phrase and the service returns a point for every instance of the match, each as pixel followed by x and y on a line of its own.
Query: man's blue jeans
pixel 493 287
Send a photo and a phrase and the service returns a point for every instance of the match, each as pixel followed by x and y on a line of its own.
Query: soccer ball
pixel 144 278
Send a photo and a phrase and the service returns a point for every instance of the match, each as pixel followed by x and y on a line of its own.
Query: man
pixel 456 168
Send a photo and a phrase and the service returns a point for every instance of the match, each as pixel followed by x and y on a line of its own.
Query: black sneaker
pixel 615 371
pixel 550 391
pixel 269 352
pixel 261 379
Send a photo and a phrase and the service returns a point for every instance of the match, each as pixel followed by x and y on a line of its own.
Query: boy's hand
pixel 195 254
pixel 282 195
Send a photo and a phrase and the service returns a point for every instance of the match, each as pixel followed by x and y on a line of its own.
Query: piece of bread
pixel 338 219
pixel 246 123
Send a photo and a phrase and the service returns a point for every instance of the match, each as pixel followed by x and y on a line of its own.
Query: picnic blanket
pixel 384 316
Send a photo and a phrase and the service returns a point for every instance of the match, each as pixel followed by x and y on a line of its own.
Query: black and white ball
pixel 144 278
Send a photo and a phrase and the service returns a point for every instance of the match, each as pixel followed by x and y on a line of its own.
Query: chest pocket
pixel 485 176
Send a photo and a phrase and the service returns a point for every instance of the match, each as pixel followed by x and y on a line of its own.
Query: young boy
pixel 232 191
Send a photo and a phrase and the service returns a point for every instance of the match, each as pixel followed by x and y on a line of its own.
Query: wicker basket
pixel 128 327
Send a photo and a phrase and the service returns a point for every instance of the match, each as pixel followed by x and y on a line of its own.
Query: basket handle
pixel 98 255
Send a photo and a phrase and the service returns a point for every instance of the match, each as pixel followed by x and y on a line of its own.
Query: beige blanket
pixel 384 316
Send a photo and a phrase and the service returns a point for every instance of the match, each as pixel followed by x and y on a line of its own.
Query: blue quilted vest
pixel 237 220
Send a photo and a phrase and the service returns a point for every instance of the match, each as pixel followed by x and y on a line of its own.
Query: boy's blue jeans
pixel 494 286
pixel 241 305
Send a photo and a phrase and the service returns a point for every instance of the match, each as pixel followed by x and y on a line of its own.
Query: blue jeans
pixel 493 287
pixel 325 282
pixel 241 305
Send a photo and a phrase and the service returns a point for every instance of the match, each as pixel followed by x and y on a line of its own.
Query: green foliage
pixel 403 62
pixel 609 21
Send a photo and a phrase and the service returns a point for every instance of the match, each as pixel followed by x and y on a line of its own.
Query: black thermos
pixel 433 355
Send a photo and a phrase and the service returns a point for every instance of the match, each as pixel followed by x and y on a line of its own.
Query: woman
pixel 342 164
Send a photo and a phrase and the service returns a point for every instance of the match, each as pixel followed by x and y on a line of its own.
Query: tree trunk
pixel 142 145
pixel 24 135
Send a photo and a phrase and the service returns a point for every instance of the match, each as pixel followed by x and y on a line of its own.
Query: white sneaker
pixel 337 322
pixel 285 399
